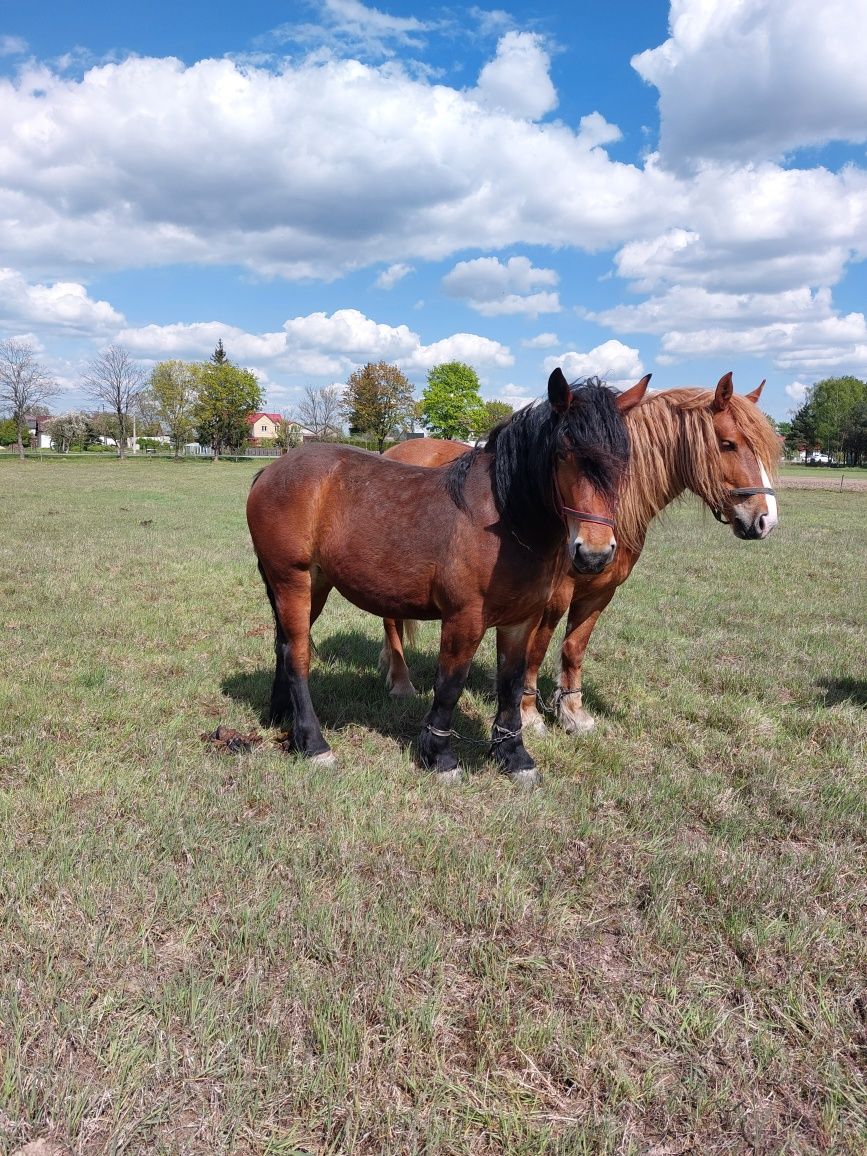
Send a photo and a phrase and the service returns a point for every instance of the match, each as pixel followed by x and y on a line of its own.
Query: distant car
pixel 817 459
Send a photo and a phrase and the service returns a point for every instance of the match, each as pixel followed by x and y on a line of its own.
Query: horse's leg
pixel 459 641
pixel 397 679
pixel 579 626
pixel 536 651
pixel 293 607
pixel 507 745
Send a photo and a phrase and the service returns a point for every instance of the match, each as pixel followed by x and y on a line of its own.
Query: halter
pixel 743 492
pixel 581 515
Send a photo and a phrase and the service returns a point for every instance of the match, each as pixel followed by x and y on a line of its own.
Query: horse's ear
pixel 724 391
pixel 631 397
pixel 756 394
pixel 559 393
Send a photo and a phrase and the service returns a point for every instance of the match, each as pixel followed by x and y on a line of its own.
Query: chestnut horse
pixel 475 544
pixel 714 443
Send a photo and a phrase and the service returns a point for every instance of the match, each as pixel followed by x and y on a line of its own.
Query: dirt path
pixel 835 481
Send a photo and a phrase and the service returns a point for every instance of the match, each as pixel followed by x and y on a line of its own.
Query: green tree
pixel 219 356
pixel 378 401
pixel 451 405
pixel 495 412
pixel 288 434
pixel 226 394
pixel 173 393
pixel 8 432
pixel 834 400
pixel 24 384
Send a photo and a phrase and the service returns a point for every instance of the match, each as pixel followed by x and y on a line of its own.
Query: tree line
pixel 212 400
pixel 833 420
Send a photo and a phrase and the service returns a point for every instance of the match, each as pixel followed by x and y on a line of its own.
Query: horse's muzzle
pixel 587 561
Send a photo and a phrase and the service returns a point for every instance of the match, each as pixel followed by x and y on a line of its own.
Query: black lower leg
pixel 507 746
pixel 434 743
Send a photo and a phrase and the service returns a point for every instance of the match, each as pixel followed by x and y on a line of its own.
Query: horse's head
pixel 743 439
pixel 592 452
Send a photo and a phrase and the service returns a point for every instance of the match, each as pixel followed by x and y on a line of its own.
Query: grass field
pixel 662 951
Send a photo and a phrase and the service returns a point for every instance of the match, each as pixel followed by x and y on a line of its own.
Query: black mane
pixel 525 445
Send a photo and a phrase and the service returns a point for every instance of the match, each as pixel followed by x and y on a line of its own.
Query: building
pixel 263 426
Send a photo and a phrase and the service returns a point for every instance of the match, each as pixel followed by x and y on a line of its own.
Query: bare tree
pixel 115 380
pixel 319 411
pixel 24 383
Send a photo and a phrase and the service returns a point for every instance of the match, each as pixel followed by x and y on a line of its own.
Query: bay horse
pixel 479 543
pixel 713 442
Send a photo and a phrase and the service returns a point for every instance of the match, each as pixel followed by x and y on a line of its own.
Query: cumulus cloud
pixel 758 78
pixel 517 80
pixel 797 391
pixel 389 277
pixel 63 306
pixel 318 344
pixel 494 288
pixel 614 362
pixel 541 341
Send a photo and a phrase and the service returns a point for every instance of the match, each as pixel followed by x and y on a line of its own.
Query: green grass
pixel 663 950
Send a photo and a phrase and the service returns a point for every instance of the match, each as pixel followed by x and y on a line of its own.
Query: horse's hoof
pixel 535 726
pixel 403 690
pixel 577 726
pixel 453 777
pixel 324 759
pixel 527 779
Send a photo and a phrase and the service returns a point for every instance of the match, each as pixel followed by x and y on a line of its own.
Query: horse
pixel 713 442
pixel 475 544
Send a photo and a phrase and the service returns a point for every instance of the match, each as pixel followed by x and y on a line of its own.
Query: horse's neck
pixel 659 472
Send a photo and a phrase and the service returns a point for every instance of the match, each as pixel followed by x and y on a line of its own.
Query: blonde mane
pixel 674 448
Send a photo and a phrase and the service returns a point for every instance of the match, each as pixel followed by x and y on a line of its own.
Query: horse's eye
pixel 726 446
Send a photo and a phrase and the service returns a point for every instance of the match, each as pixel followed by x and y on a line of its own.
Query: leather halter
pixel 743 492
pixel 581 515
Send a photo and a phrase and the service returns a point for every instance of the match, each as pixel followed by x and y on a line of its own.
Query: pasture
pixel 661 951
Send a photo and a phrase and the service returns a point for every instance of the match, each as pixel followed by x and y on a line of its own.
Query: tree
pixel 288 434
pixel 319 411
pixel 495 412
pixel 226 394
pixel 25 384
pixel 451 405
pixel 116 381
pixel 219 357
pixel 378 401
pixel 67 430
pixel 173 391
pixel 829 417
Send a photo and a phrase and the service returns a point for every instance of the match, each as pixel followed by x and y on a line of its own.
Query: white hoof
pixel 450 778
pixel 528 779
pixel 403 690
pixel 535 724
pixel 324 759
pixel 577 724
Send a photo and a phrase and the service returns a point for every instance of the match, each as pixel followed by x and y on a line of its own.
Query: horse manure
pixel 228 739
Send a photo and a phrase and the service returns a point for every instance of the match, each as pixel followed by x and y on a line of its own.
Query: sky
pixel 614 189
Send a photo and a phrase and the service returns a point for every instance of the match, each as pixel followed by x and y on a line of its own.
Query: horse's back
pixel 426 452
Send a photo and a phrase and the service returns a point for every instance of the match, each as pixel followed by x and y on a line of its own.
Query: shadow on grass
pixel 836 690
pixel 348 688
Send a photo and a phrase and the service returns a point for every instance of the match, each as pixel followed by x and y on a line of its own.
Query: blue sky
pixel 615 189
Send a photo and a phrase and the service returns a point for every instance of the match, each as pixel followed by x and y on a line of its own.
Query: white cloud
pixel 613 361
pixel 494 288
pixel 797 391
pixel 541 341
pixel 318 345
pixel 62 306
pixel 12 46
pixel 517 81
pixel 758 78
pixel 389 277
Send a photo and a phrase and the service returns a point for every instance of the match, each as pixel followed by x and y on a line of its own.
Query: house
pixel 40 438
pixel 263 425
